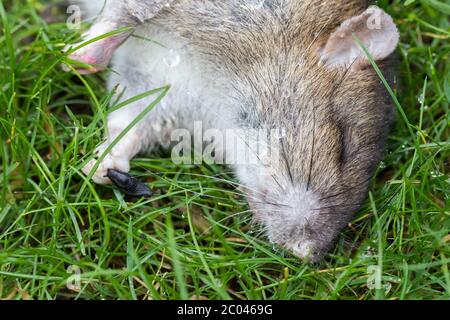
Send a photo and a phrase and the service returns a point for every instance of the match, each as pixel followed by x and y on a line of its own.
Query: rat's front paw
pixel 109 162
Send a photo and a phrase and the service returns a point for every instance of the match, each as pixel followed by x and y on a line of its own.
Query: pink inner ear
pixel 374 28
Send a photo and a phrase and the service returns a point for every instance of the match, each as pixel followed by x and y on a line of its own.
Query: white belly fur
pixel 165 59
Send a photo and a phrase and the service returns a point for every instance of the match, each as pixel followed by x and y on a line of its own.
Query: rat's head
pixel 334 112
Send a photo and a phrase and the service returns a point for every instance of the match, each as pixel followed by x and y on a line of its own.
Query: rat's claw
pixel 100 175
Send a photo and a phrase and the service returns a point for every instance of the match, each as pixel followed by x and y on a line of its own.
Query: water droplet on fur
pixel 172 59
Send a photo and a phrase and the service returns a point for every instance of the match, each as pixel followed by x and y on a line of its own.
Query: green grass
pixel 193 239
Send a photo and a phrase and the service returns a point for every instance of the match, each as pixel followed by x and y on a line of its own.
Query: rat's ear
pixel 374 28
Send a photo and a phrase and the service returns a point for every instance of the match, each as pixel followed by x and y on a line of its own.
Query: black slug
pixel 129 184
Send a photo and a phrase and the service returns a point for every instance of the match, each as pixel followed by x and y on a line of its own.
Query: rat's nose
pixel 303 249
pixel 306 251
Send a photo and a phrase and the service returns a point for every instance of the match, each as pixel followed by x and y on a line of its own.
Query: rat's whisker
pixel 288 166
pixel 272 204
pixel 158 174
pixel 262 163
pixel 349 205
pixel 349 189
pixel 312 149
pixel 230 216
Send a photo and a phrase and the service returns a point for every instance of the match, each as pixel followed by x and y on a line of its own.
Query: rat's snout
pixel 293 221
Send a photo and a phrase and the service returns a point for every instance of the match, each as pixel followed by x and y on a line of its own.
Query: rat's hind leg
pixel 152 131
pixel 120 155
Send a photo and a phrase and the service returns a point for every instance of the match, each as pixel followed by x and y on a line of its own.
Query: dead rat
pixel 254 66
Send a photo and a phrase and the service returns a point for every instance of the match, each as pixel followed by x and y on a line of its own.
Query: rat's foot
pixel 120 155
pixel 113 160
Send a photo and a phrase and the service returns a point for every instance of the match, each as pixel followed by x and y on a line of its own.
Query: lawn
pixel 63 237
